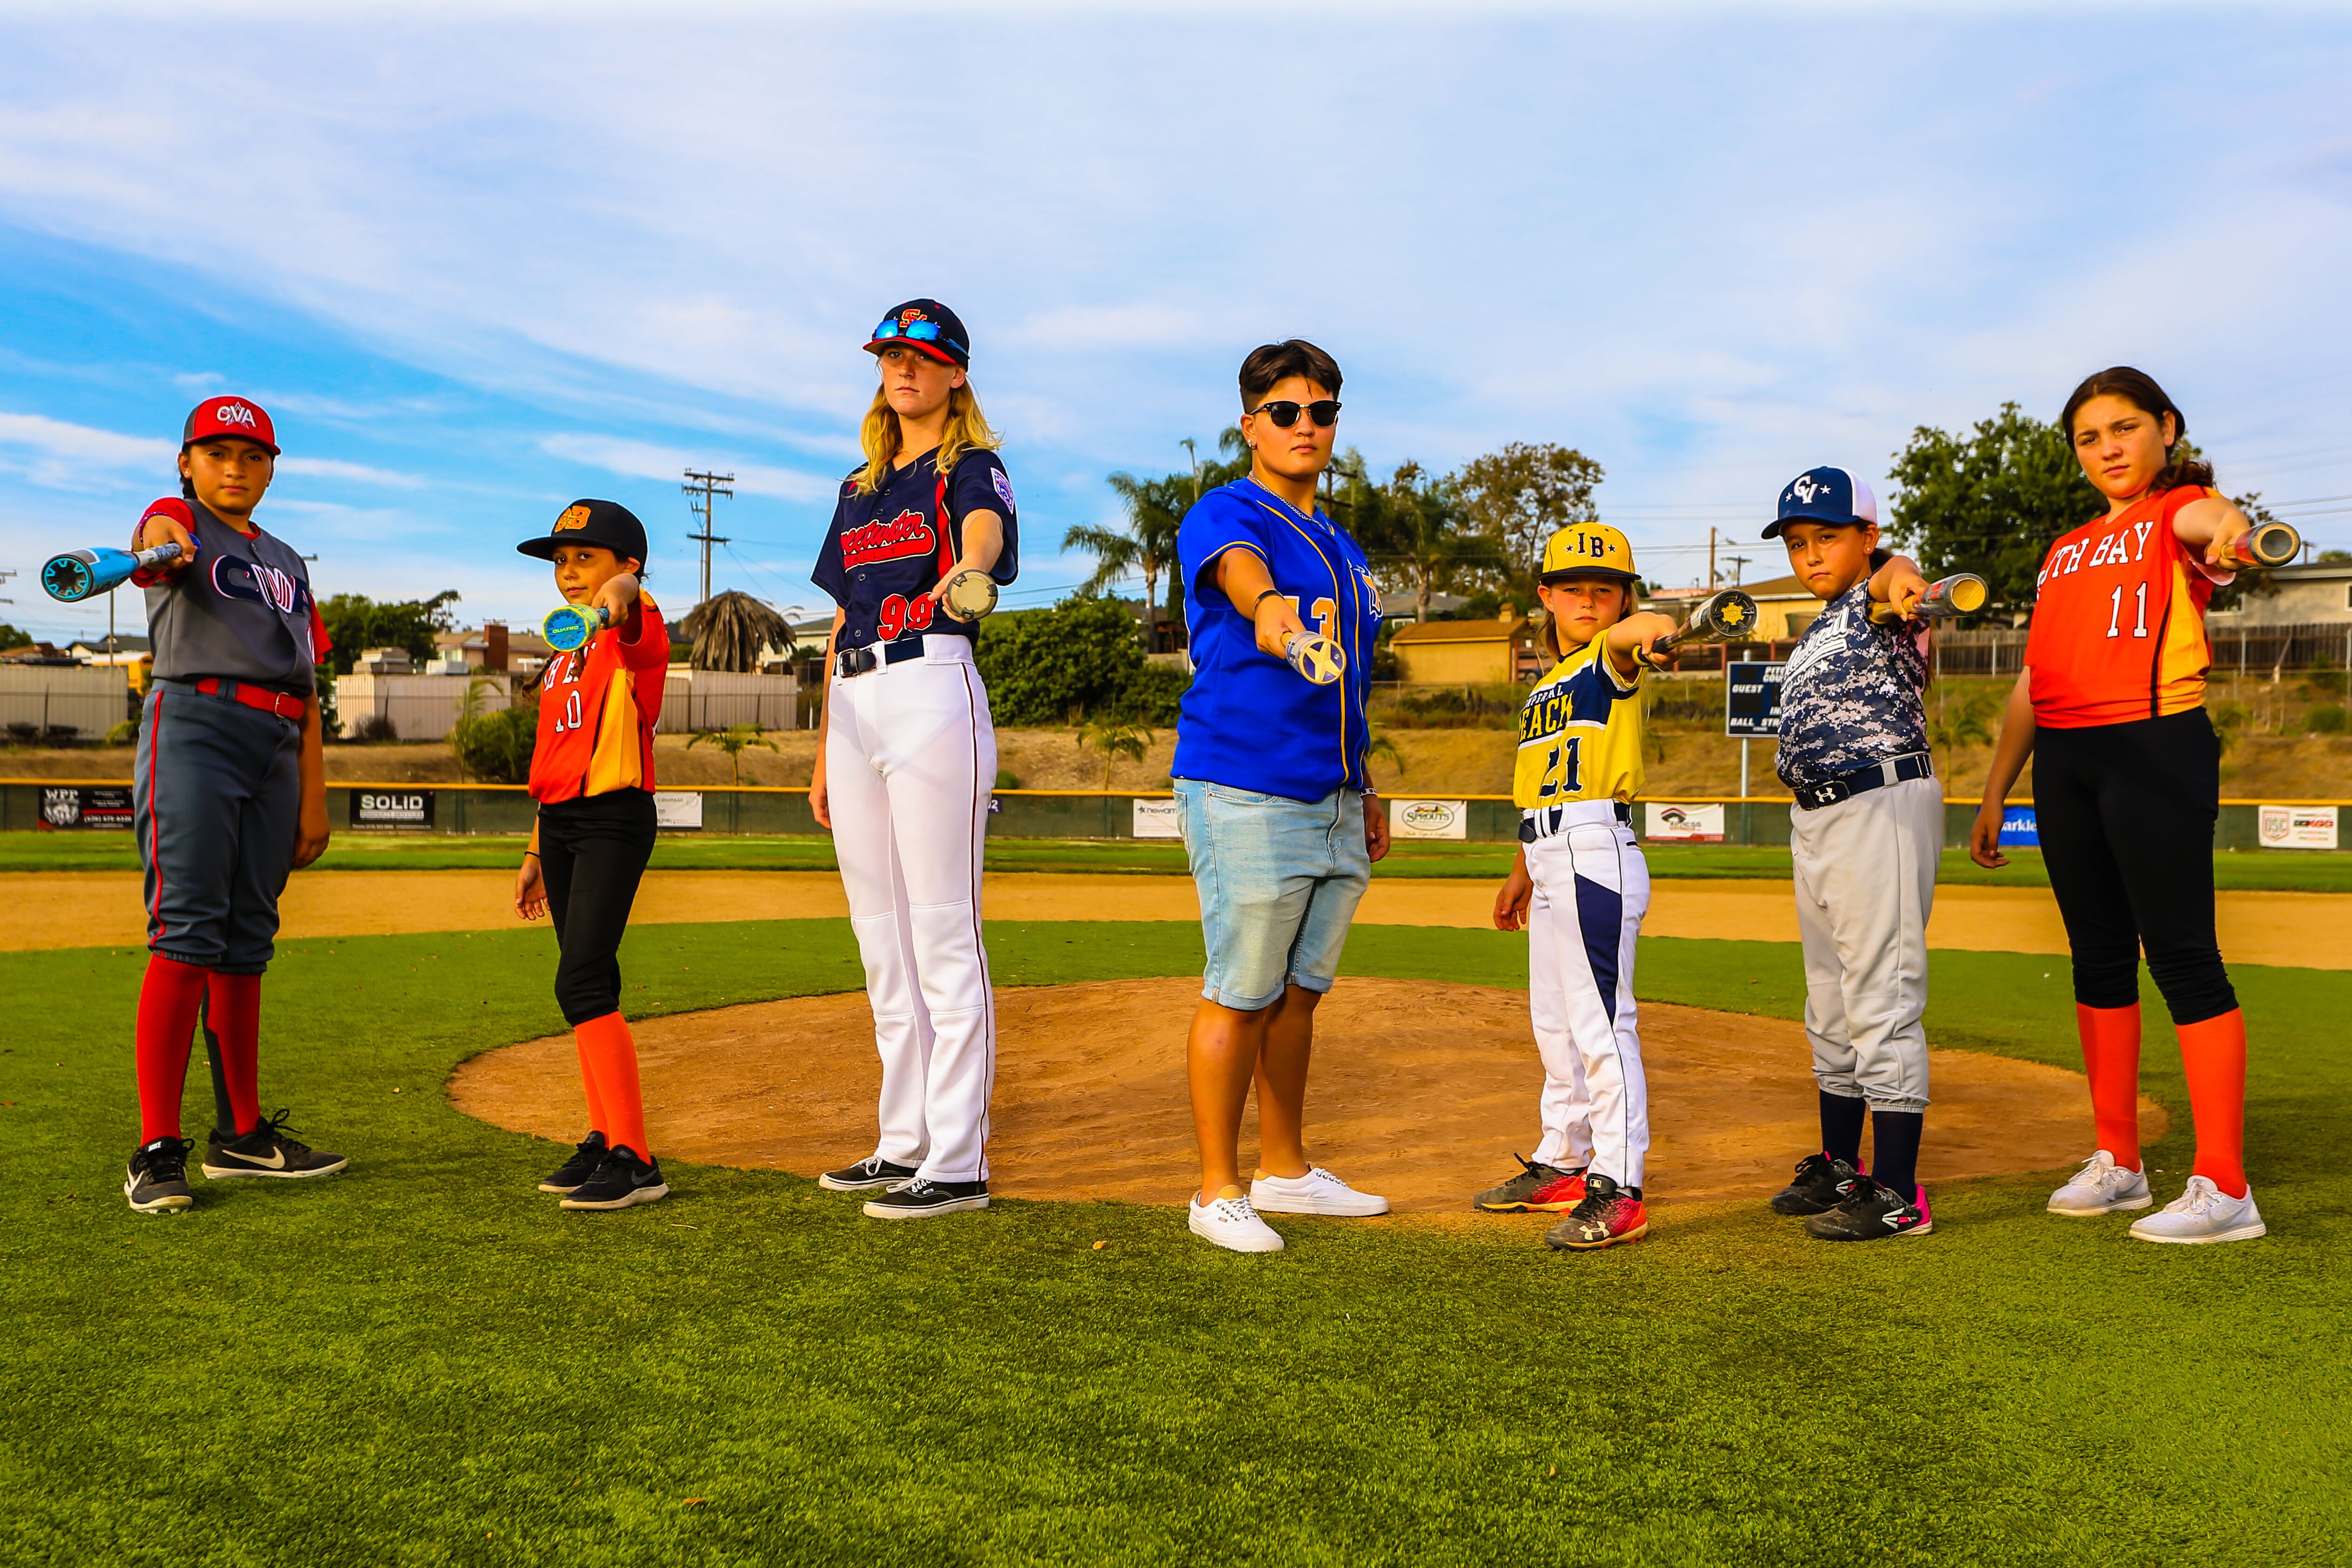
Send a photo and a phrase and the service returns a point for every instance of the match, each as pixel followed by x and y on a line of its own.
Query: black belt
pixel 852 661
pixel 1530 830
pixel 1862 781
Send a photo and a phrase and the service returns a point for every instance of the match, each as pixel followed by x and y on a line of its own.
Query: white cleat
pixel 2203 1214
pixel 2100 1187
pixel 1316 1192
pixel 1233 1224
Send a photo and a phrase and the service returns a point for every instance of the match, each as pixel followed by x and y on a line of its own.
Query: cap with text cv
pixel 1587 549
pixel 217 418
pixel 1824 495
pixel 604 523
pixel 928 327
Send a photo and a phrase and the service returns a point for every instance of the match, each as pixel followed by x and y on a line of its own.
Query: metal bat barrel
pixel 568 626
pixel 1961 594
pixel 1320 660
pixel 79 574
pixel 1726 616
pixel 2271 544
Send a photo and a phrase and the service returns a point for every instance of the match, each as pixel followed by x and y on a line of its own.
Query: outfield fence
pixel 51 804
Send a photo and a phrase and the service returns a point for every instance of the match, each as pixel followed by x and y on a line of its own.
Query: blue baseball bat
pixel 79 574
pixel 568 626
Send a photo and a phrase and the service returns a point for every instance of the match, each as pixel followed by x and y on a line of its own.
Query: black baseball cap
pixel 604 522
pixel 926 325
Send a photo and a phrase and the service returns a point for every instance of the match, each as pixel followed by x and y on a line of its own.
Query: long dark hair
pixel 2138 388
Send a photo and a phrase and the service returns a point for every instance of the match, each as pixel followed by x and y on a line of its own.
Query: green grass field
pixel 424 1362
pixel 2300 871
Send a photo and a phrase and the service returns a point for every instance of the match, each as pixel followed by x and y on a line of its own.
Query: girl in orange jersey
pixel 592 775
pixel 2127 785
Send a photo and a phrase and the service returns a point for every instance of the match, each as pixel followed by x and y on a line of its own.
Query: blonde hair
pixel 967 428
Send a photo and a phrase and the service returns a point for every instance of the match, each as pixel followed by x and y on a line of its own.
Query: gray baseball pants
pixel 1865 885
pixel 216 798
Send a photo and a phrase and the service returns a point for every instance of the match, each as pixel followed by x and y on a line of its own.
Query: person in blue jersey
pixel 1280 820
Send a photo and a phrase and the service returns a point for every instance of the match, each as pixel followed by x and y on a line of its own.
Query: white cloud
pixel 351 473
pixel 58 455
pixel 647 460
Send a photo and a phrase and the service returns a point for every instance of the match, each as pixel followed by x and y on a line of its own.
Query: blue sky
pixel 478 261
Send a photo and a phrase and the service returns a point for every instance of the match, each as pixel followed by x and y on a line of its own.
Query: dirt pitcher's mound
pixel 1420 1091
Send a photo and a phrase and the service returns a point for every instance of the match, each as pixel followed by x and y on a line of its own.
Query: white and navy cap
pixel 1824 495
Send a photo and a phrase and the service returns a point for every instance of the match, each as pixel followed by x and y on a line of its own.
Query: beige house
pixel 2297 595
pixel 1471 653
pixel 1784 606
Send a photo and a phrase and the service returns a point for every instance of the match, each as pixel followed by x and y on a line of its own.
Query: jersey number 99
pixel 899 614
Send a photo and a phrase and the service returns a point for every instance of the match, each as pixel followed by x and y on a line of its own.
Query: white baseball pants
pixel 1591 889
pixel 910 758
pixel 1865 886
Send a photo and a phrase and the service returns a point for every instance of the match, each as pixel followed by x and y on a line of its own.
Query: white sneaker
pixel 2100 1187
pixel 1233 1224
pixel 2202 1214
pixel 1316 1192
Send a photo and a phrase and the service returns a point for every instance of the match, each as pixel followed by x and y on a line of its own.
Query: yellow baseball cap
pixel 1587 549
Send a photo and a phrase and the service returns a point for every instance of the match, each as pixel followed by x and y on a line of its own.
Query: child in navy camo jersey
pixel 1865 834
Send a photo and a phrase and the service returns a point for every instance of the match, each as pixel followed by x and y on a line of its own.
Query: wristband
pixel 531 855
pixel 1262 599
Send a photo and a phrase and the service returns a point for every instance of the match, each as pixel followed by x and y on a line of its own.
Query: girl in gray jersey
pixel 229 797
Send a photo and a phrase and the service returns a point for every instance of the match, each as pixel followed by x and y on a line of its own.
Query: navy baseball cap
pixel 604 523
pixel 1824 495
pixel 926 325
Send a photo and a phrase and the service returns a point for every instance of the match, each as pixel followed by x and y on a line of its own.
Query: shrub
pixel 1055 666
pixel 1154 694
pixel 496 747
pixel 2327 719
pixel 375 728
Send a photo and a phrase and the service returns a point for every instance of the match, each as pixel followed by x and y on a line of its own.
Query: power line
pixel 707 487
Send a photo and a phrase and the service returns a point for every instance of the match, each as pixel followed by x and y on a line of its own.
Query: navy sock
pixel 1841 1128
pixel 1894 1150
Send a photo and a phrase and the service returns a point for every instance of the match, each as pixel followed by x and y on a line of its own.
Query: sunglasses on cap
pixel 1323 411
pixel 920 332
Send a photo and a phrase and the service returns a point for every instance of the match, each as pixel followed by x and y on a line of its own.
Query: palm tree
pixel 1155 507
pixel 1114 738
pixel 734 740
pixel 730 630
pixel 1414 528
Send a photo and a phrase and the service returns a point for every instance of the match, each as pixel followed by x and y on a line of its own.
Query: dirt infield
pixel 1421 1091
pixel 102 909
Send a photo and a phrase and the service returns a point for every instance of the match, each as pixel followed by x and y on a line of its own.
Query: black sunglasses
pixel 1323 411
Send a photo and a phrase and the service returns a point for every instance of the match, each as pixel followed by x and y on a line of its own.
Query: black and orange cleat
pixel 1610 1216
pixel 1546 1189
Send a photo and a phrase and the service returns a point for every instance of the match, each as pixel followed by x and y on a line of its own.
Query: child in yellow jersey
pixel 1578 889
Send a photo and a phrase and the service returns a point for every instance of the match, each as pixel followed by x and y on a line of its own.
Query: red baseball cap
pixel 240 416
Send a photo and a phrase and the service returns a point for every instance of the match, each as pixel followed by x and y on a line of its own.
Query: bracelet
pixel 531 855
pixel 1262 599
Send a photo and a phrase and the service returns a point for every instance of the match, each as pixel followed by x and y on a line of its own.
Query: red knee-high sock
pixel 2213 1055
pixel 596 1122
pixel 168 999
pixel 236 1023
pixel 610 1054
pixel 2111 1061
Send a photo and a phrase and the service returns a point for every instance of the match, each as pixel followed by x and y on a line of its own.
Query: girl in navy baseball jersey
pixel 229 796
pixel 1280 821
pixel 909 757
pixel 592 773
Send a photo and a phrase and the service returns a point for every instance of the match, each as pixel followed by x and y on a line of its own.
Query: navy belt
pixel 1546 822
pixel 1862 781
pixel 852 661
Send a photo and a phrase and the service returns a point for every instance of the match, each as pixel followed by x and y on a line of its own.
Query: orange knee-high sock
pixel 2111 1061
pixel 236 1021
pixel 2213 1055
pixel 610 1052
pixel 596 1122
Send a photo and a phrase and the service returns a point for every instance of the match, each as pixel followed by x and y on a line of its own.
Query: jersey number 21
pixel 1563 775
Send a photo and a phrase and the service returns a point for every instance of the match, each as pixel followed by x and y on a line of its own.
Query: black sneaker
pixel 1871 1210
pixel 1610 1216
pixel 871 1172
pixel 622 1179
pixel 921 1197
pixel 583 1165
pixel 269 1150
pixel 157 1179
pixel 1543 1188
pixel 1818 1188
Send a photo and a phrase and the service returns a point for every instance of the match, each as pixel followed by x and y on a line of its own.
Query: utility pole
pixel 1710 560
pixel 1737 563
pixel 706 486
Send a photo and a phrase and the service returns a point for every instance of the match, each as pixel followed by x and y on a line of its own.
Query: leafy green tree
pixel 1414 530
pixel 356 622
pixel 1990 501
pixel 13 637
pixel 1055 666
pixel 1519 497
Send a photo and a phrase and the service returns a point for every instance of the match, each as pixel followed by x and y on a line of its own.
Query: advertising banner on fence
pixel 1158 819
pixel 78 806
pixel 1428 818
pixel 393 809
pixel 1683 824
pixel 2298 826
pixel 2020 829
pixel 678 808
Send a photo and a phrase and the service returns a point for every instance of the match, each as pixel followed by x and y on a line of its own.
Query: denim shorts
pixel 1279 880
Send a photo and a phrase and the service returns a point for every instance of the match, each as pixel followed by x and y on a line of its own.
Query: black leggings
pixel 592 851
pixel 2127 814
